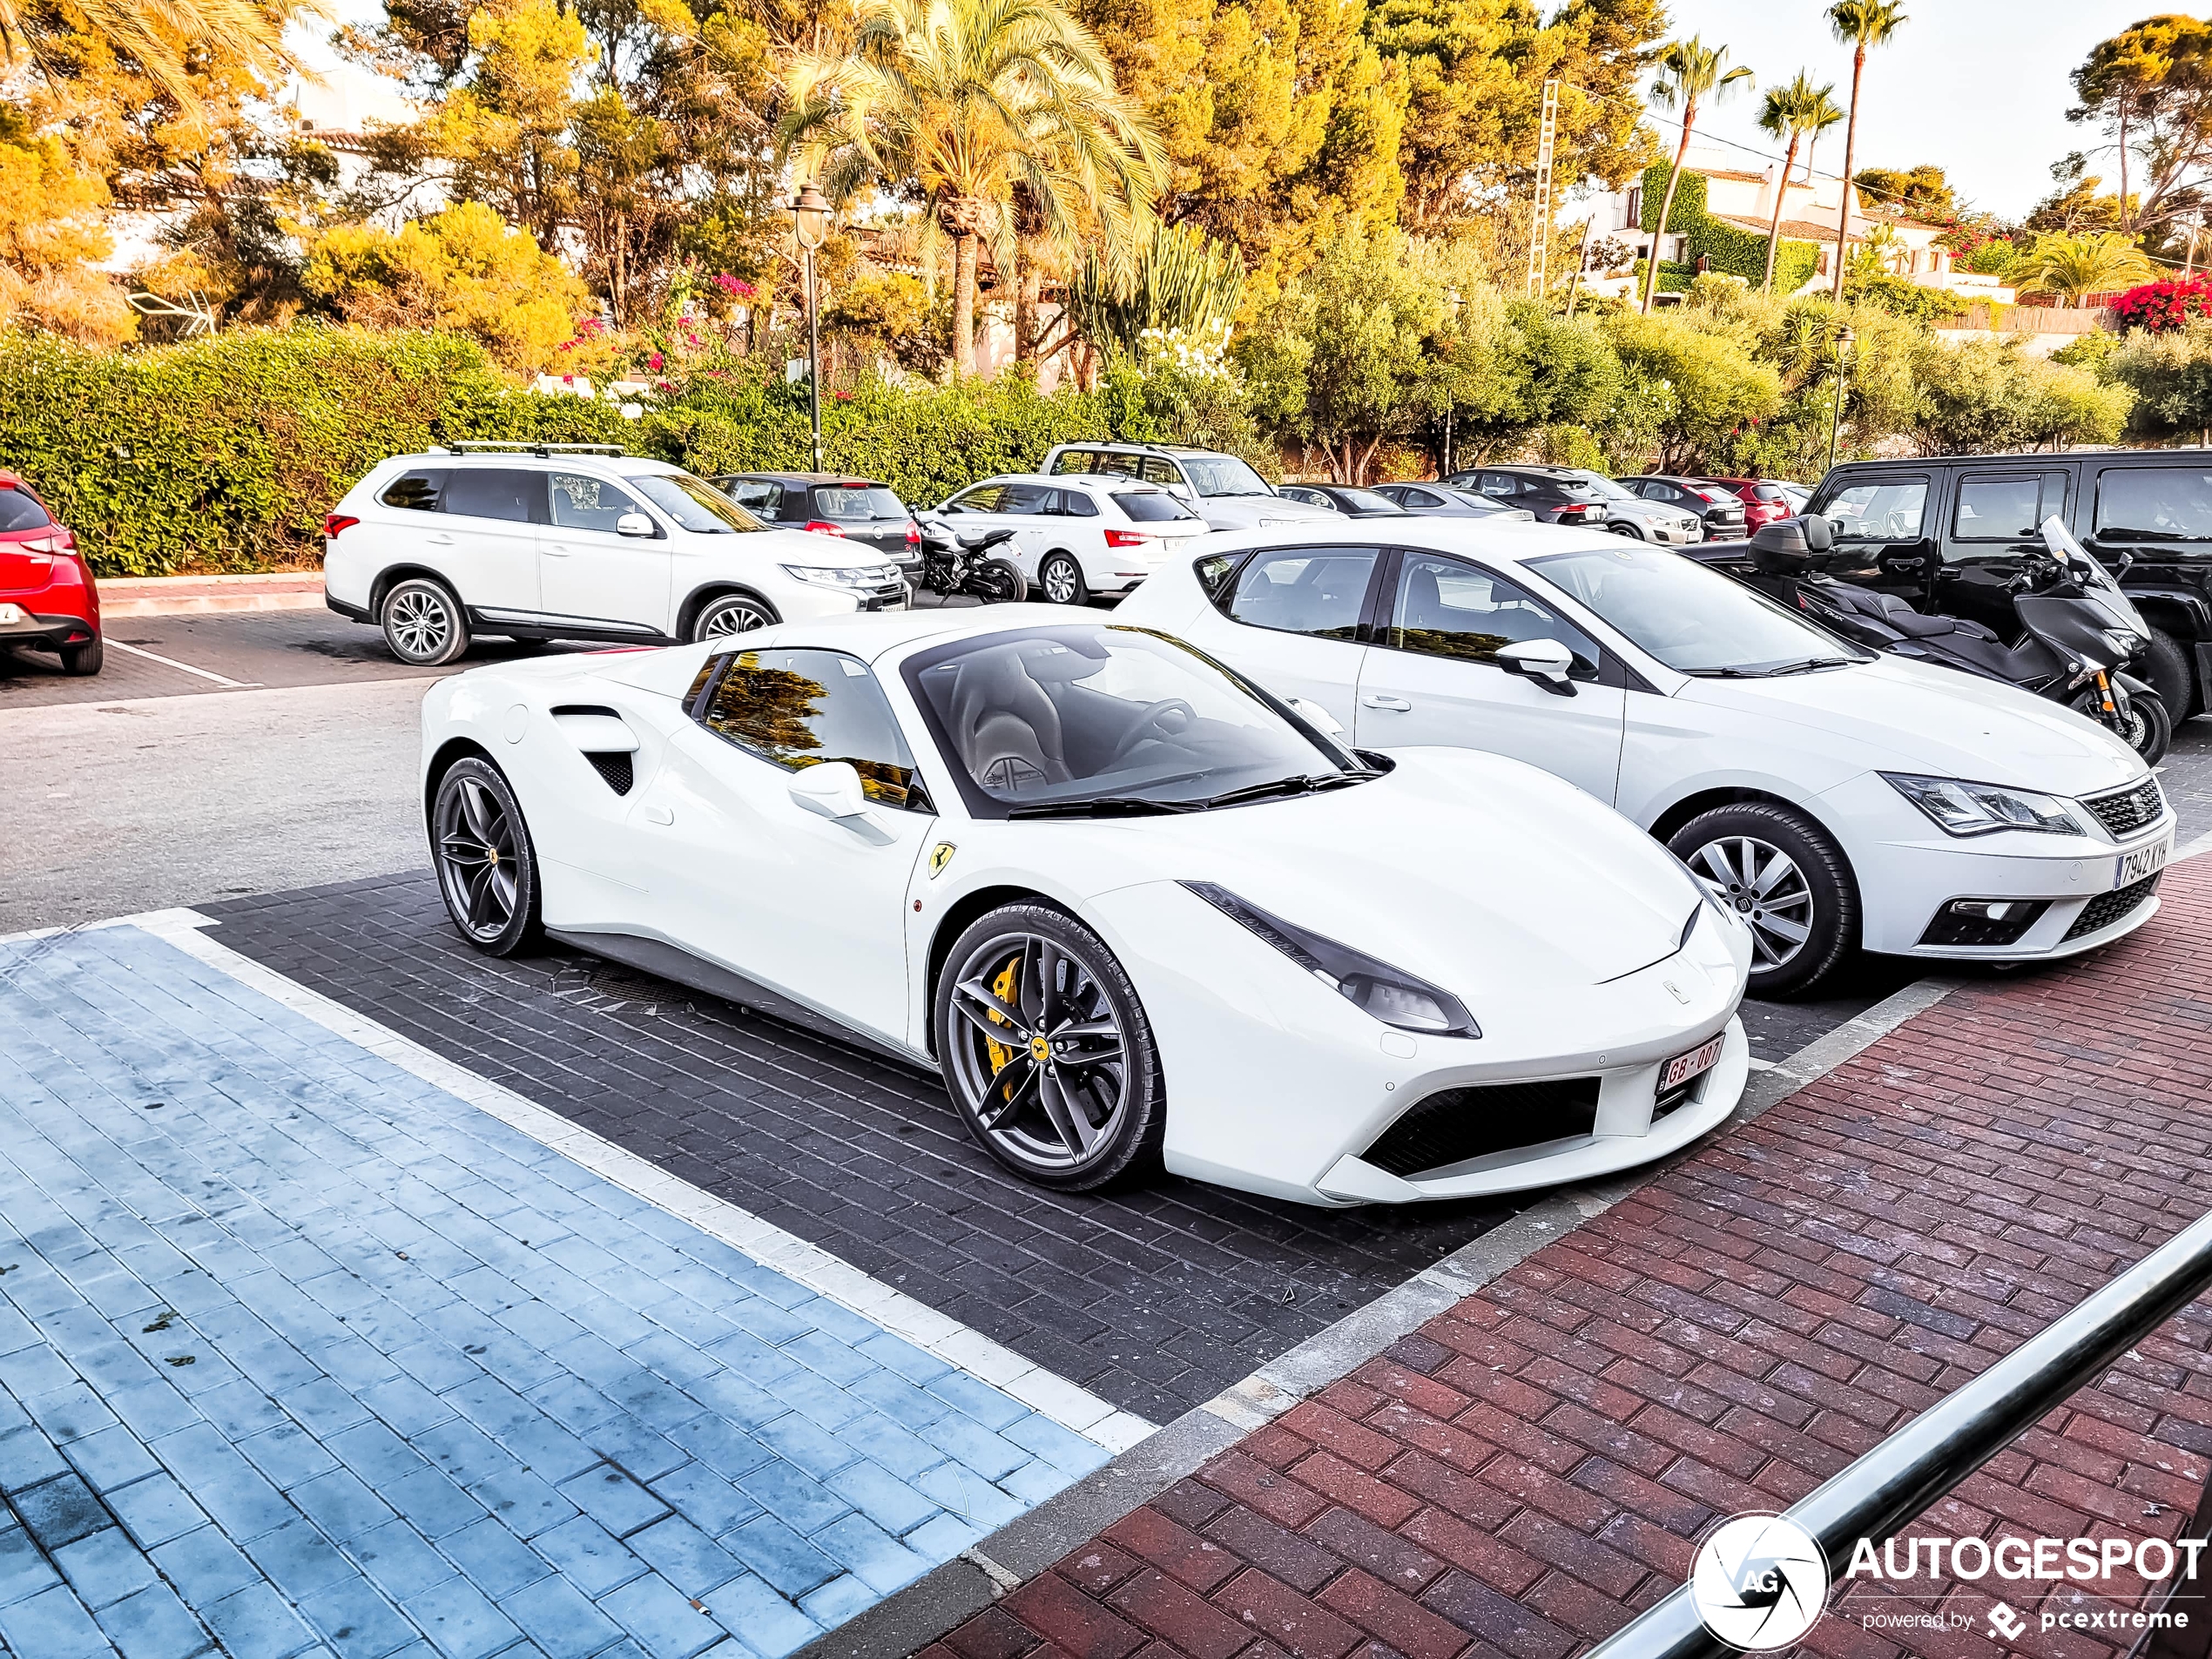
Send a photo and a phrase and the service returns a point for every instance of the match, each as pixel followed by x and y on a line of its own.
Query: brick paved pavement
pixel 300 1354
pixel 1529 1469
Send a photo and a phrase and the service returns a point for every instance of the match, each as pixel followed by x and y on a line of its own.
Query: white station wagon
pixel 1078 536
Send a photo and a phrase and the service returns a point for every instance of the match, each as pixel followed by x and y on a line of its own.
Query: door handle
pixel 440 539
pixel 1377 700
pixel 552 551
pixel 653 814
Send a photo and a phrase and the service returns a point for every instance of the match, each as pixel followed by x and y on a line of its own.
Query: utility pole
pixel 1582 264
pixel 1539 222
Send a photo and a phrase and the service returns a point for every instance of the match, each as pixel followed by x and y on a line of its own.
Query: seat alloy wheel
pixel 1047 1050
pixel 487 868
pixel 733 613
pixel 1778 870
pixel 423 623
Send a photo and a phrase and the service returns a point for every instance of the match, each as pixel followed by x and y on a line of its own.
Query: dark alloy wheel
pixel 2147 726
pixel 1062 578
pixel 730 613
pixel 998 582
pixel 423 623
pixel 1778 870
pixel 487 868
pixel 1047 1049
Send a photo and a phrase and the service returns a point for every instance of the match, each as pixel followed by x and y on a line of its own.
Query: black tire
pixel 423 622
pixel 732 613
pixel 1076 1100
pixel 1626 527
pixel 2166 665
pixel 1060 580
pixel 85 660
pixel 1817 894
pixel 487 868
pixel 998 582
pixel 2150 727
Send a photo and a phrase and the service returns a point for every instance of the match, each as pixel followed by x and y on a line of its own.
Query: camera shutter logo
pixel 1760 1582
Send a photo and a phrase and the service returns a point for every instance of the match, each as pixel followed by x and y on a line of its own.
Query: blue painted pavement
pixel 300 1354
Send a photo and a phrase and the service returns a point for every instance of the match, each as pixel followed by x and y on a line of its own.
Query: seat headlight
pixel 1390 995
pixel 842 576
pixel 1962 808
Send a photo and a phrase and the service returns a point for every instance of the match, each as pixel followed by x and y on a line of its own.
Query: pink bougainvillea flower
pixel 653 361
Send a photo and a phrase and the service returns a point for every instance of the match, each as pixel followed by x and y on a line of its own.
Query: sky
pixel 1978 87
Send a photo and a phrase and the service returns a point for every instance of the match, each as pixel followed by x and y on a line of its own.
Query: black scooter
pixel 953 564
pixel 2079 633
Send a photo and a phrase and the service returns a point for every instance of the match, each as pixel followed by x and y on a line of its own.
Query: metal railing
pixel 1940 1447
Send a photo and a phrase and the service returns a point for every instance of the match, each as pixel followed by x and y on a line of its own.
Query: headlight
pixel 1390 994
pixel 1962 808
pixel 843 575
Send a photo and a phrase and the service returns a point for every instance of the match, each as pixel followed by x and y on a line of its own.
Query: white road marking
pixel 185 668
pixel 1046 1392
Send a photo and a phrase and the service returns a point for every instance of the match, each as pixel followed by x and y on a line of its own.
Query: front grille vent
pixel 1456 1124
pixel 2129 811
pixel 2108 907
pixel 615 767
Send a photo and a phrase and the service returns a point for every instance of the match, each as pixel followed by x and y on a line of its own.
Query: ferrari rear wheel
pixel 1047 1049
pixel 487 868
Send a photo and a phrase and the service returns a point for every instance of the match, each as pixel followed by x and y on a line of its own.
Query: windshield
pixel 1365 501
pixel 1689 617
pixel 1222 475
pixel 1105 718
pixel 1151 507
pixel 857 501
pixel 694 504
pixel 1603 486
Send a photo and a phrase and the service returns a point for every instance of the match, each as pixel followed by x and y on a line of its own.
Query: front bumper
pixel 1909 870
pixel 1277 1085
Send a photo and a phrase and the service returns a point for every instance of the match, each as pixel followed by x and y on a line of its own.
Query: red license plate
pixel 1683 1067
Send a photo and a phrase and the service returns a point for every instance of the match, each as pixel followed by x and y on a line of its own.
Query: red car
pixel 47 599
pixel 1762 498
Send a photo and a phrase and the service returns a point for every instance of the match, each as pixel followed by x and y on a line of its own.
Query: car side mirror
pixel 1317 717
pixel 832 789
pixel 1545 661
pixel 633 524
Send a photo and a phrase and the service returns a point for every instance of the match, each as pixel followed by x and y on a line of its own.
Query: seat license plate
pixel 2144 860
pixel 1683 1067
pixel 10 616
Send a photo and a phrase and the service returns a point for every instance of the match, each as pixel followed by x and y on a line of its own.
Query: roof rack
pixel 525 446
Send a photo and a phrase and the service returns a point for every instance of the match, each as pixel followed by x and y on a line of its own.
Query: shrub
pixel 2165 305
pixel 1731 249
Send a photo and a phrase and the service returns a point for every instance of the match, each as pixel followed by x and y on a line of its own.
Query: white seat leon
pixel 1080 535
pixel 579 541
pixel 1836 799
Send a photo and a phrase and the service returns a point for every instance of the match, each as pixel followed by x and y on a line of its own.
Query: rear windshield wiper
pixel 1101 806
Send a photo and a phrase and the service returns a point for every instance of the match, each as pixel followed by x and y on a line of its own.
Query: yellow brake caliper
pixel 1004 988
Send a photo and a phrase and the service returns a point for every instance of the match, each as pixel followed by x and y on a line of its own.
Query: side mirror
pixel 633 524
pixel 832 789
pixel 1545 661
pixel 1317 717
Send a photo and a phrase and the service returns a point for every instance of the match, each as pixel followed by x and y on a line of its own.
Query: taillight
pixel 914 534
pixel 1126 538
pixel 334 523
pixel 823 527
pixel 1575 512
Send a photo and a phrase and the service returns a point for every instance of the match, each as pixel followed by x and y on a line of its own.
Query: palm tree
pixel 1797 112
pixel 968 104
pixel 1690 72
pixel 159 36
pixel 2073 268
pixel 1862 24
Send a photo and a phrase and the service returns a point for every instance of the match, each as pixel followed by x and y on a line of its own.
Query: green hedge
pixel 1733 250
pixel 223 454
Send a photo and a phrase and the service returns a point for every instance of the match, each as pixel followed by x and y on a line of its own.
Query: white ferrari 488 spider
pixel 1131 905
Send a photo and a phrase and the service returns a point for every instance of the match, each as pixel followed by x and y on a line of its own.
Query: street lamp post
pixel 1844 338
pixel 810 218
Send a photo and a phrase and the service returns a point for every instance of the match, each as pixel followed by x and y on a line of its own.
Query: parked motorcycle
pixel 952 563
pixel 2080 634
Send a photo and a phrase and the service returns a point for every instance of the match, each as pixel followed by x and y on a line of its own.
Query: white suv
pixel 572 541
pixel 1075 536
pixel 1225 491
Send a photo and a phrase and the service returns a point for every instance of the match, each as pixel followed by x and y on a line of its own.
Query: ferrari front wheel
pixel 487 868
pixel 1047 1049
